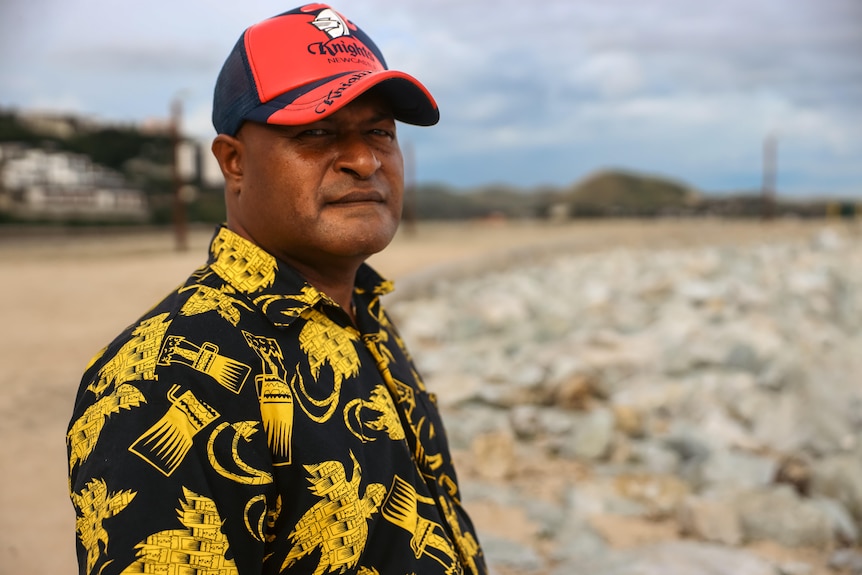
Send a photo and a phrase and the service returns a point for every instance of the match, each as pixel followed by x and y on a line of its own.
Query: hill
pixel 620 192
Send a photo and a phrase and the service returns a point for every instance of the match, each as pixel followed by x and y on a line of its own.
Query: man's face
pixel 322 194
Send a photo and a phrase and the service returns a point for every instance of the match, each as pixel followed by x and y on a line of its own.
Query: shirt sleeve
pixel 169 469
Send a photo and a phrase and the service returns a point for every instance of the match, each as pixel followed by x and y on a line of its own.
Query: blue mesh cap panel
pixel 262 112
pixel 235 92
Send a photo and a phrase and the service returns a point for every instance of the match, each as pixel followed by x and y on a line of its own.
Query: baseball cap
pixel 301 66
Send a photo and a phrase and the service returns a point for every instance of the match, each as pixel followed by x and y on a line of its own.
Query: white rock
pixel 711 520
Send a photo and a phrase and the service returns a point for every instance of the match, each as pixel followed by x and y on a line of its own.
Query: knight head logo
pixel 330 22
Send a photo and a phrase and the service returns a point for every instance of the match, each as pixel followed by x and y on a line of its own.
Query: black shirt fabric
pixel 245 426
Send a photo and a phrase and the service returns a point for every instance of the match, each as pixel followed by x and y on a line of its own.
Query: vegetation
pixel 617 192
pixel 144 159
pixel 441 202
pixel 111 147
pixel 11 130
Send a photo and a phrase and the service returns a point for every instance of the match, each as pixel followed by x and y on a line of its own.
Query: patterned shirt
pixel 245 426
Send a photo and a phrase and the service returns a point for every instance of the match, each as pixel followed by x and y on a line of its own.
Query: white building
pixel 37 183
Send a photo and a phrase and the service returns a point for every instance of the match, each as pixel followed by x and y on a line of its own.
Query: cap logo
pixel 341 46
pixel 336 93
pixel 330 22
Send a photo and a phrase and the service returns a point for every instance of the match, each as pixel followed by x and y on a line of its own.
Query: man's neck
pixel 337 282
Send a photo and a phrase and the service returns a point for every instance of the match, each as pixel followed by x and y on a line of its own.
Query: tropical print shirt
pixel 245 426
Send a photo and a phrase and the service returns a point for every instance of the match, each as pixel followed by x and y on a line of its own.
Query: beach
pixel 66 295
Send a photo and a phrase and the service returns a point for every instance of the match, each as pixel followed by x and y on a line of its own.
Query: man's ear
pixel 228 152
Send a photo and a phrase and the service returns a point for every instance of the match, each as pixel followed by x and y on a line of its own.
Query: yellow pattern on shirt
pixel 199 549
pixel 338 523
pixel 325 342
pixel 241 263
pixel 136 359
pixel 95 505
pixel 86 430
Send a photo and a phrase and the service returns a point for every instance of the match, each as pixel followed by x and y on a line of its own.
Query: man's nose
pixel 357 155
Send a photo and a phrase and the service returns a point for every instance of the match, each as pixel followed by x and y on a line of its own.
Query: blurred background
pixel 630 265
pixel 703 104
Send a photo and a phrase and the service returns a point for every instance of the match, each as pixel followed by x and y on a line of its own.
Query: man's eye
pixel 383 133
pixel 314 132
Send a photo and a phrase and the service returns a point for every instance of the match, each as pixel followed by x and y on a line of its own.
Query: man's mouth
pixel 358 197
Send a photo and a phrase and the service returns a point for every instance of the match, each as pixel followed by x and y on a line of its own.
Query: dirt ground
pixel 63 296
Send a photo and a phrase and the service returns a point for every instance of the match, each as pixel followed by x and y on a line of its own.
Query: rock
pixel 590 436
pixel 629 420
pixel 577 540
pixel 511 554
pixel 737 469
pixel 752 345
pixel 654 457
pixel 464 424
pixel 577 392
pixel 709 392
pixel 627 532
pixel 694 558
pixel 502 497
pixel 795 568
pixel 525 421
pixel 453 388
pixel 711 520
pixel 499 308
pixel 692 453
pixel 526 376
pixel 783 423
pixel 827 240
pixel 531 422
pixel 795 470
pixel 601 496
pixel 782 373
pixel 494 454
pixel 778 514
pixel 425 320
pixel 847 560
pixel 840 478
pixel 661 495
pixel 843 526
pixel 549 516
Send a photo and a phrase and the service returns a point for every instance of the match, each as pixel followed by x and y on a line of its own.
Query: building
pixel 40 184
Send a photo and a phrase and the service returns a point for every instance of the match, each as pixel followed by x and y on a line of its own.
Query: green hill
pixel 619 192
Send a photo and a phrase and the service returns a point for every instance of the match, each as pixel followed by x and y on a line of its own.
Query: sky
pixel 531 94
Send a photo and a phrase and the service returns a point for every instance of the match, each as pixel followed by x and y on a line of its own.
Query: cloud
pixel 147 59
pixel 528 94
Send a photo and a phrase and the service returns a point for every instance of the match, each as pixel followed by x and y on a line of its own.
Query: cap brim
pixel 410 100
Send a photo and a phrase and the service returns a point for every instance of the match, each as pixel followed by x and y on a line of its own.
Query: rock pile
pixel 682 411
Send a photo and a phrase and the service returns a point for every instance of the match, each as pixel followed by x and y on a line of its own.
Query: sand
pixel 65 295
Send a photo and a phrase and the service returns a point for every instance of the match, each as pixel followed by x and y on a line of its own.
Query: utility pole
pixel 770 153
pixel 179 205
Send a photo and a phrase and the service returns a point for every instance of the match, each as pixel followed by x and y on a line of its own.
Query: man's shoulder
pixel 204 309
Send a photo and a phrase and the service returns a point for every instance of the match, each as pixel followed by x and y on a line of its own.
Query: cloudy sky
pixel 530 93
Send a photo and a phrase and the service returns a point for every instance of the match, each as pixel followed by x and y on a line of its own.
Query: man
pixel 266 417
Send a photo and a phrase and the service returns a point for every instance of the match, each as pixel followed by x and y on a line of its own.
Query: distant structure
pixel 39 184
pixel 770 160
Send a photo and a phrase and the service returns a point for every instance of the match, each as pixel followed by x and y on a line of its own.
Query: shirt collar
pixel 277 289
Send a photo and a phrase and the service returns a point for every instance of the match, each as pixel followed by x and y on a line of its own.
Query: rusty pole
pixel 179 206
pixel 770 146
